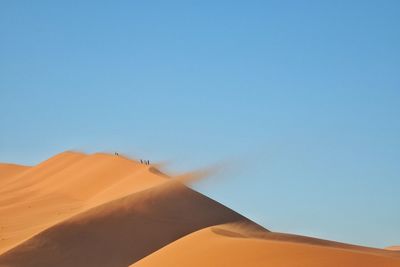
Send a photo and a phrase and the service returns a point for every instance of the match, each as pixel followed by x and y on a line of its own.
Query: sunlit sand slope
pixel 232 245
pixel 394 248
pixel 33 199
pixel 8 171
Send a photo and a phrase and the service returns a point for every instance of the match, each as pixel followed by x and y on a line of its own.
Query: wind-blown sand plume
pixel 123 231
pixel 191 177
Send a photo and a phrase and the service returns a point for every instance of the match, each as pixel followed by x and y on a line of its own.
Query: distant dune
pixel 394 248
pixel 106 210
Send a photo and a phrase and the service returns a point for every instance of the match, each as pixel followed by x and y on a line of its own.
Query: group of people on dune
pixel 145 162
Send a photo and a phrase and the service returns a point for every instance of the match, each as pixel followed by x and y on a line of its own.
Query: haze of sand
pixel 105 210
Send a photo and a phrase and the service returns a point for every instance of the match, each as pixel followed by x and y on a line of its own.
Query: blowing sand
pixel 106 210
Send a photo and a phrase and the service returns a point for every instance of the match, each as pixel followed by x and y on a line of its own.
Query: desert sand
pixel 394 248
pixel 76 209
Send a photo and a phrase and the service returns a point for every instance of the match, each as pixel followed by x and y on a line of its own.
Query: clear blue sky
pixel 303 95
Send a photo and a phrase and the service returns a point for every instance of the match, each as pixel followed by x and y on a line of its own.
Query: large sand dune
pixel 105 210
pixel 67 184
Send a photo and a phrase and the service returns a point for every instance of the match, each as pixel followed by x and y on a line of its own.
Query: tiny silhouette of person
pixel 141 161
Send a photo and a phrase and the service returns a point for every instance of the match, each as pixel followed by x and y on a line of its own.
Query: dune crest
pixel 393 248
pixel 8 171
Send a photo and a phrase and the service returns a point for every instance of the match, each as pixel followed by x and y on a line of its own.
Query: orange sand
pixel 105 210
pixel 226 245
pixel 394 248
pixel 33 199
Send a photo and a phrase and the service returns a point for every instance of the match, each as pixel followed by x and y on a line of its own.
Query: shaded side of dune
pixel 123 231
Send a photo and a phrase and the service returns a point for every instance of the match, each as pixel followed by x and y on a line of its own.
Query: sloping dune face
pixel 8 171
pixel 33 199
pixel 104 210
pixel 230 245
pixel 393 248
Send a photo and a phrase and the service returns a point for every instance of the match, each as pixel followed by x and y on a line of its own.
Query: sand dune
pixel 67 184
pixel 122 231
pixel 105 210
pixel 8 171
pixel 229 245
pixel 393 248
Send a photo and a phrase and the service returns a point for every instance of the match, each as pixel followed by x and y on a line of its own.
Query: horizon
pixel 302 101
